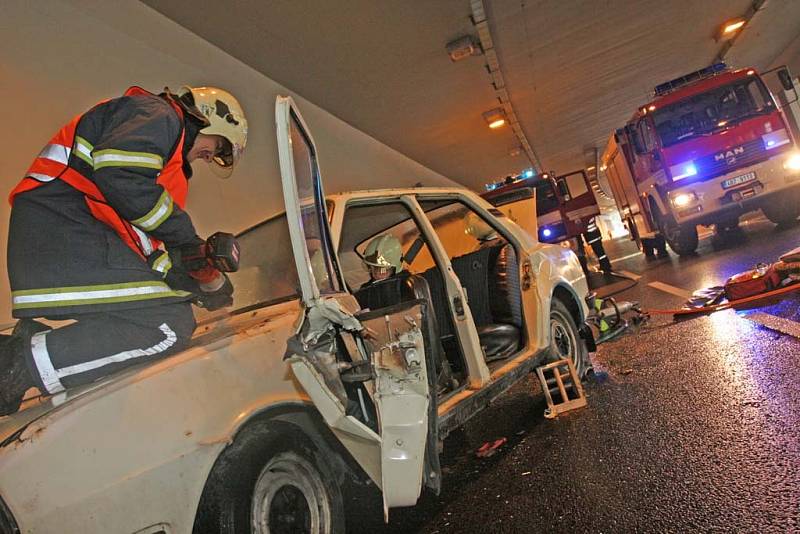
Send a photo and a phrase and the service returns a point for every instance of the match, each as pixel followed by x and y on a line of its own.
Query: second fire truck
pixel 710 147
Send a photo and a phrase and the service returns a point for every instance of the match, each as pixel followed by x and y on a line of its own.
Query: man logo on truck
pixel 729 157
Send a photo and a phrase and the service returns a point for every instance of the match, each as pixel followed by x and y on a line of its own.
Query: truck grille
pixel 729 160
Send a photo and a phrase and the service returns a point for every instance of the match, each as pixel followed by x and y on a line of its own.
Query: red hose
pixel 726 305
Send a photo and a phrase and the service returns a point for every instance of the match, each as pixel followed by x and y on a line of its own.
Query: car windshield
pixel 267 272
pixel 713 110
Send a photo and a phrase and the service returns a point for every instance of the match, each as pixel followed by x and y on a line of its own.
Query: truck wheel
pixel 565 341
pixel 271 479
pixel 782 212
pixel 682 239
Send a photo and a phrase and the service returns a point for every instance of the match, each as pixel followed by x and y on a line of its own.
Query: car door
pixel 366 374
pixel 578 204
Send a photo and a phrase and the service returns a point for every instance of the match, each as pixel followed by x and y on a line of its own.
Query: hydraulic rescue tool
pixel 610 319
pixel 220 251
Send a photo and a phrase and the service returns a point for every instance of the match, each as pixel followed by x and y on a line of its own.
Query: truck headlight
pixel 792 163
pixel 683 199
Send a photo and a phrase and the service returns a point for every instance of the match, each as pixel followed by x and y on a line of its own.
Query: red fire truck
pixel 710 147
pixel 565 205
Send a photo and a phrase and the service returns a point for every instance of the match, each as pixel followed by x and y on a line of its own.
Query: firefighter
pixel 96 232
pixel 594 239
pixel 383 258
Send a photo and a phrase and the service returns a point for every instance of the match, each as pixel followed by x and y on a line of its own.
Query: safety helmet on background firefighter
pixel 479 229
pixel 384 255
pixel 225 118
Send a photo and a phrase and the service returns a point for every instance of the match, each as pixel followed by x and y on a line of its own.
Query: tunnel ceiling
pixel 574 70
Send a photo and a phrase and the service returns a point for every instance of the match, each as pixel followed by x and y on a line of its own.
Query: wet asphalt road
pixel 691 425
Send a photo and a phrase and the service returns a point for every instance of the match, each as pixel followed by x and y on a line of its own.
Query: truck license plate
pixel 738 180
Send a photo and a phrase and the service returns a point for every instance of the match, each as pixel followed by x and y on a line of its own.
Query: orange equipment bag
pixel 759 280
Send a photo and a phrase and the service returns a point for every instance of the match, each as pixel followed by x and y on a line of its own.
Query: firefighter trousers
pixel 594 239
pixel 98 344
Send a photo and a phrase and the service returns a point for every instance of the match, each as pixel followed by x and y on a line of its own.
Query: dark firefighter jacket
pixel 95 205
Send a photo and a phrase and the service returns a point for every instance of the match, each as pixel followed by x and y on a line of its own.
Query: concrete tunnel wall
pixel 59 57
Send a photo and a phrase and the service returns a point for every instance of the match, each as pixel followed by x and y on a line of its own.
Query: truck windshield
pixel 713 110
pixel 546 199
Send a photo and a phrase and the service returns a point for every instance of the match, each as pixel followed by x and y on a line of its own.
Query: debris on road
pixel 490 448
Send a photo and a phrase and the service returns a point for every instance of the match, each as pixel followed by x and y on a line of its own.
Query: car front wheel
pixel 272 479
pixel 290 496
pixel 565 341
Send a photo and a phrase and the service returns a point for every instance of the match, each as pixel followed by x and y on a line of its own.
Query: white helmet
pixel 225 117
pixel 384 251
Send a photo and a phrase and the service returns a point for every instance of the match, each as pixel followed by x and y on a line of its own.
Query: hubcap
pixel 290 498
pixel 563 342
pixel 289 512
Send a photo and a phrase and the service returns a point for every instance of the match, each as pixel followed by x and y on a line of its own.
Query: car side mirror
pixel 786 79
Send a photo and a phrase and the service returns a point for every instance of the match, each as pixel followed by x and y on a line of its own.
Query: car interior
pixel 483 260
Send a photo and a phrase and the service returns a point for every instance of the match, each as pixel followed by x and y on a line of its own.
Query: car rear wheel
pixel 272 479
pixel 290 496
pixel 565 341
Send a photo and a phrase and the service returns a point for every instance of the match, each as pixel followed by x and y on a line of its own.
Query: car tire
pixel 290 496
pixel 566 341
pixel 272 480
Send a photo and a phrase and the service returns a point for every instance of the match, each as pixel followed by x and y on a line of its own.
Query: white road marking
pixel 672 290
pixel 627 257
pixel 630 274
pixel 773 322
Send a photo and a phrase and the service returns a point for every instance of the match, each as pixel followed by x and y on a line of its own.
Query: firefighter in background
pixel 97 225
pixel 383 258
pixel 594 239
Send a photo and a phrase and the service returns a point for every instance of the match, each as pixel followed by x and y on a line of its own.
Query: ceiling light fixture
pixel 495 118
pixel 730 28
pixel 462 48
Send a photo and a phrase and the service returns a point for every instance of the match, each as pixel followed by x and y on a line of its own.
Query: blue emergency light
pixel 686 79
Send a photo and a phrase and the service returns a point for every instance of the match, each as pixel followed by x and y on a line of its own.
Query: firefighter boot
pixel 605 265
pixel 15 379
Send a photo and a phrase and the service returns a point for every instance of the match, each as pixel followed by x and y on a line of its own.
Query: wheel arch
pixel 567 296
pixel 299 420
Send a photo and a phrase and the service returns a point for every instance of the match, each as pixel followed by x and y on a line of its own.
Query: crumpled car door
pixel 366 374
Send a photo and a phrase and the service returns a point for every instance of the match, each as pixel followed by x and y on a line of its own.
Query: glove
pixel 215 294
pixel 193 260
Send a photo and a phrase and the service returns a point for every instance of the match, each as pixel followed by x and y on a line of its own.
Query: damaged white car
pixel 318 379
